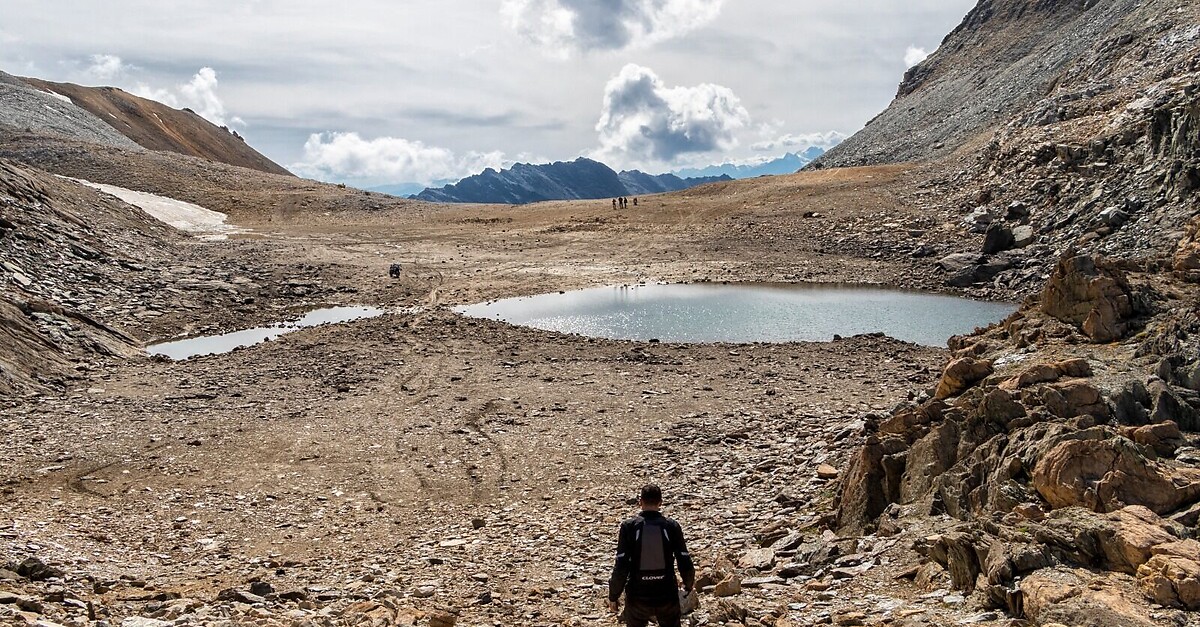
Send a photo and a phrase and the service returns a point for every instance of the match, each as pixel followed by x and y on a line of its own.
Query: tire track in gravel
pixel 74 480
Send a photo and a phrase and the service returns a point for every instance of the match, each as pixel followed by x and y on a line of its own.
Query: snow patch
pixel 184 216
pixel 60 97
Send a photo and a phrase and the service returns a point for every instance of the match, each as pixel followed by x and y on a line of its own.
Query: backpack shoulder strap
pixel 637 523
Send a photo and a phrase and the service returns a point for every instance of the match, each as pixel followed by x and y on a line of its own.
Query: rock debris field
pixel 422 468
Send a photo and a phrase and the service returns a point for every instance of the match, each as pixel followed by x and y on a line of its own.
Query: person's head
pixel 651 497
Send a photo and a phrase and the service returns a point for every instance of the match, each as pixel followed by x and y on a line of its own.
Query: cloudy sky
pixel 375 91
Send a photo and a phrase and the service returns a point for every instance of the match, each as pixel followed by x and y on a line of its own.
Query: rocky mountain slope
pixel 86 279
pixel 63 109
pixel 1080 135
pixel 60 246
pixel 581 179
pixel 1003 59
pixel 26 109
pixel 1054 471
pixel 248 196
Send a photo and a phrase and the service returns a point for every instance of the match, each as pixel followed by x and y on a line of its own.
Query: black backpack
pixel 653 574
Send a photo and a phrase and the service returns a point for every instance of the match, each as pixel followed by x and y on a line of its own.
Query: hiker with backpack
pixel 649 547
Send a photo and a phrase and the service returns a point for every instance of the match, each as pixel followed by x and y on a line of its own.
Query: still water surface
pixel 215 344
pixel 739 313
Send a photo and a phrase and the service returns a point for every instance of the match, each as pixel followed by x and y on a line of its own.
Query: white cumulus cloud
pixel 825 140
pixel 198 94
pixel 644 121
pixel 914 55
pixel 105 67
pixel 349 157
pixel 561 26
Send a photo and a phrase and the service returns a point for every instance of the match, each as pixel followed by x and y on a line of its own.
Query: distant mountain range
pixel 586 179
pixel 787 164
pixel 405 190
pixel 564 180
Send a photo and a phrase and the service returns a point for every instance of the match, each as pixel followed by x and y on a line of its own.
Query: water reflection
pixel 708 312
pixel 216 344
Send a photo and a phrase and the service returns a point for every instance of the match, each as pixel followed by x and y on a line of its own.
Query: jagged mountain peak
pixel 580 179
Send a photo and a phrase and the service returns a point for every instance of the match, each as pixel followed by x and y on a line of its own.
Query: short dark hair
pixel 651 494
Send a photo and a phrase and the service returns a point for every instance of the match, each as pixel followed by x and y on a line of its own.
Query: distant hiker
pixel 649 546
pixel 635 201
pixel 614 203
pixel 394 270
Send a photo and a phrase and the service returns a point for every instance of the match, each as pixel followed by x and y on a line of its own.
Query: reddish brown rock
pixel 730 586
pixel 1163 438
pixel 1106 475
pixel 1040 373
pixel 1030 511
pixel 1172 576
pixel 1077 368
pixel 1132 537
pixel 443 618
pixel 1077 598
pixel 961 374
pixel 1074 398
pixel 1187 255
pixel 825 471
pixel 1091 294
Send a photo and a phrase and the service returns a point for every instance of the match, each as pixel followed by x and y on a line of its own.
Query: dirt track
pixel 486 465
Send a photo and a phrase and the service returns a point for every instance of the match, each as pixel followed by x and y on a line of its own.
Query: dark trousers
pixel 638 613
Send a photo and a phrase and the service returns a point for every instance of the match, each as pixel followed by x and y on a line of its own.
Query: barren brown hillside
pixel 156 126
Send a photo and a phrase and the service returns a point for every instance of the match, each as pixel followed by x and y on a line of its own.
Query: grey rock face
pixel 939 105
pixel 25 108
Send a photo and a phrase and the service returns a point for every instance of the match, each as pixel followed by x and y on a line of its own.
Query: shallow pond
pixel 739 313
pixel 215 344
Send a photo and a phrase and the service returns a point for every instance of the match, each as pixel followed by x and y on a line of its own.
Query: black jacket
pixel 649 547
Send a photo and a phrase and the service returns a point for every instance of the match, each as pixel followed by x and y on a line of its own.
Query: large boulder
pixel 997 239
pixel 1091 294
pixel 1074 398
pixel 1106 475
pixel 870 484
pixel 1119 541
pixel 1163 438
pixel 1075 597
pixel 1129 536
pixel 1048 373
pixel 1172 576
pixel 967 269
pixel 961 374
